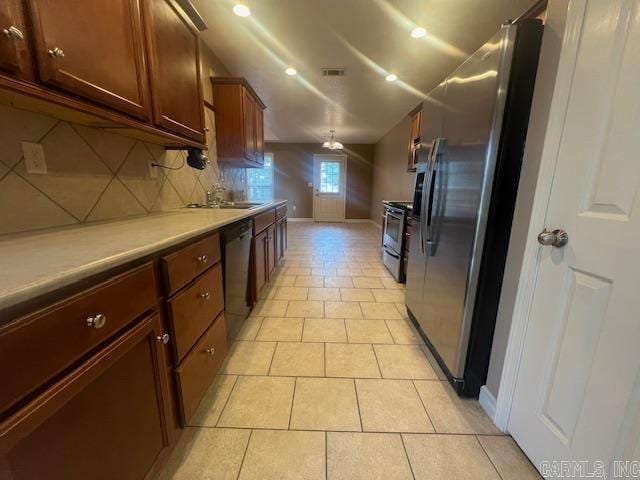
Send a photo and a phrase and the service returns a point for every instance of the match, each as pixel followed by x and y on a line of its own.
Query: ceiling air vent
pixel 333 72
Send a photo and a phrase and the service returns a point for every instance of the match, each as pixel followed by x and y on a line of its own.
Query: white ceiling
pixel 369 38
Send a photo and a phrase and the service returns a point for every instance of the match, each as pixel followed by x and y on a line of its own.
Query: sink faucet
pixel 214 195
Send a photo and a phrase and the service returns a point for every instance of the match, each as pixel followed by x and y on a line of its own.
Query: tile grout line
pixel 226 402
pixel 244 455
pixel 326 455
pixel 404 447
pixel 424 406
pixel 378 362
pixel 293 398
pixel 394 432
pixel 355 388
pixel 273 355
pixel 487 455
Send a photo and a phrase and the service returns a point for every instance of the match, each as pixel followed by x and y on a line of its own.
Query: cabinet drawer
pixel 262 221
pixel 197 370
pixel 281 212
pixel 35 348
pixel 193 310
pixel 186 264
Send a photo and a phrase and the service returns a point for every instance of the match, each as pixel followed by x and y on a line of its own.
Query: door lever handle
pixel 557 238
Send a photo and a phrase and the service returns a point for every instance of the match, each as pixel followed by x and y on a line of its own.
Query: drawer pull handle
pixel 164 339
pixel 210 351
pixel 97 322
pixel 13 32
pixel 202 258
pixel 56 52
pixel 205 295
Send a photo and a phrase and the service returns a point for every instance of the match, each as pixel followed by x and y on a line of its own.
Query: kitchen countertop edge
pixel 25 290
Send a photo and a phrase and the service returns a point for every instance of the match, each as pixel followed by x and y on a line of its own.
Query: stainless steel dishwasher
pixel 236 251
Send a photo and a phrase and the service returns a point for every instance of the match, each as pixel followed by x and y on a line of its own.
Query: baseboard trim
pixel 487 402
pixel 299 219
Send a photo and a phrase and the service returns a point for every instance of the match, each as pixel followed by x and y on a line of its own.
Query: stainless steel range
pixel 394 232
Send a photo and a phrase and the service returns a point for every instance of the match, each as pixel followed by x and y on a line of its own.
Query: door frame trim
pixel 530 262
pixel 343 157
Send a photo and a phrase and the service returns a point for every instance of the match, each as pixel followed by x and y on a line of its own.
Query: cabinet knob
pixel 164 339
pixel 205 295
pixel 97 321
pixel 210 351
pixel 202 258
pixel 13 32
pixel 56 52
pixel 206 129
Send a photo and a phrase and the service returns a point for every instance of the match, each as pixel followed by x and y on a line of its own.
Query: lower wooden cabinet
pixel 107 419
pixel 197 370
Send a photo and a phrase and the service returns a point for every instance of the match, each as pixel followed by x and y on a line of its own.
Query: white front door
pixel 577 396
pixel 329 187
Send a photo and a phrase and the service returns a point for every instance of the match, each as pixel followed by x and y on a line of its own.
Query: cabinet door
pixel 279 226
pixel 174 56
pixel 259 263
pixel 248 118
pixel 93 49
pixel 271 249
pixel 105 420
pixel 14 52
pixel 259 134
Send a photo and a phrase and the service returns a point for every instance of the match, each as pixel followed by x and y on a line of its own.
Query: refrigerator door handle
pixel 426 185
pixel 437 152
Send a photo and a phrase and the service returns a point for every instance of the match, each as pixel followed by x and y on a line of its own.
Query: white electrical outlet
pixel 153 171
pixel 34 161
pixel 294 208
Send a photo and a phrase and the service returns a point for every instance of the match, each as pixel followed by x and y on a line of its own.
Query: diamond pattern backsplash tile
pixel 93 174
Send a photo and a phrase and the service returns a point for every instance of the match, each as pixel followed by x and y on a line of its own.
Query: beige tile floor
pixel 328 379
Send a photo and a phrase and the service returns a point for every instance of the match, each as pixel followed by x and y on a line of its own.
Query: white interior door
pixel 577 396
pixel 329 187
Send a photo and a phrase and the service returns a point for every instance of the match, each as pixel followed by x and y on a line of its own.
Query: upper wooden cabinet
pixel 239 122
pixel 131 65
pixel 174 57
pixel 93 49
pixel 14 49
pixel 414 140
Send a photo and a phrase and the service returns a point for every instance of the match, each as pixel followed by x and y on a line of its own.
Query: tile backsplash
pixel 93 174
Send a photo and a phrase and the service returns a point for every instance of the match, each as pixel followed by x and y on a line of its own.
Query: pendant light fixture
pixel 332 143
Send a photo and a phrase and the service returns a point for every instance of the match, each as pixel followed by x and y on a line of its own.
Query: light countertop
pixel 37 263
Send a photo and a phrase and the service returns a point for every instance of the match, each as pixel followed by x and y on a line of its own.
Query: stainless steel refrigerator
pixel 471 144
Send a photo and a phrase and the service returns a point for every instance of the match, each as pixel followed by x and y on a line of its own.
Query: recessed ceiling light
pixel 241 10
pixel 418 32
pixel 391 77
pixel 291 71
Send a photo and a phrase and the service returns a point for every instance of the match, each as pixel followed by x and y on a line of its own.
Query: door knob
pixel 558 238
pixel 13 32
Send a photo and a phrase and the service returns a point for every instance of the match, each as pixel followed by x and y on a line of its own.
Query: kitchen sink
pixel 229 205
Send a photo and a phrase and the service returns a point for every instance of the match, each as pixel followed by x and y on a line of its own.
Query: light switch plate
pixel 309 184
pixel 34 160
